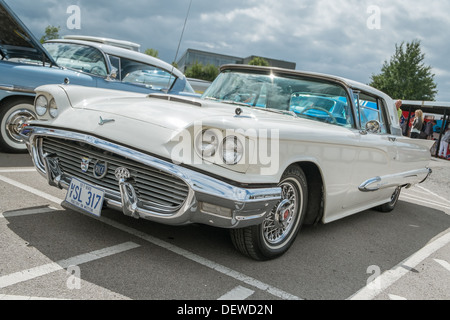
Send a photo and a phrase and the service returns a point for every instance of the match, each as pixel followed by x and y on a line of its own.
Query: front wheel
pixel 13 114
pixel 276 234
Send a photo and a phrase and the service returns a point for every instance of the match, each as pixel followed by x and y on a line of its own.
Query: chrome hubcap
pixel 15 122
pixel 281 219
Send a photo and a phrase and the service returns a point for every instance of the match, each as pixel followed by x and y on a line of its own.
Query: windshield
pixel 79 57
pixel 313 99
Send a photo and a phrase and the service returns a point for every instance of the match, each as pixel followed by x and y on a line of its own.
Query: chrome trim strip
pixel 408 179
pixel 14 88
pixel 249 206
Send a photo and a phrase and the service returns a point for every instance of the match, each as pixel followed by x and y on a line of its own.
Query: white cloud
pixel 329 36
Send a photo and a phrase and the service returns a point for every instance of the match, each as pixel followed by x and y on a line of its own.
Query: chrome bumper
pixel 209 201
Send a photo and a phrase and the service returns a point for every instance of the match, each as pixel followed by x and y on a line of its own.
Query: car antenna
pixel 179 43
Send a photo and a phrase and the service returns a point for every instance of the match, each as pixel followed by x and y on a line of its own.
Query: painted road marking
pixel 188 255
pixel 31 190
pixel 385 280
pixel 394 297
pixel 13 297
pixel 443 263
pixel 238 293
pixel 17 170
pixel 25 275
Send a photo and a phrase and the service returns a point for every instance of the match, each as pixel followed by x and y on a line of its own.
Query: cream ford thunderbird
pixel 264 151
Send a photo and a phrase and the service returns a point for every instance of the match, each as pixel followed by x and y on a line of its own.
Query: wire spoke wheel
pixel 275 235
pixel 281 219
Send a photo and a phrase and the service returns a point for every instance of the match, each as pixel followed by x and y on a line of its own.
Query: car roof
pixel 125 53
pixel 113 42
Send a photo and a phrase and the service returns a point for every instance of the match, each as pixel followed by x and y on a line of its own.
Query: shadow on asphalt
pixel 325 262
pixel 9 160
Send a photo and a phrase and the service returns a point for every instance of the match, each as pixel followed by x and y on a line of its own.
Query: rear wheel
pixel 390 206
pixel 13 114
pixel 276 234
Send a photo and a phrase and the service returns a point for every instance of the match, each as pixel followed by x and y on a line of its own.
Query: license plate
pixel 85 196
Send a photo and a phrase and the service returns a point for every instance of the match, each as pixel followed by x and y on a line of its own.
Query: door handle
pixel 392 139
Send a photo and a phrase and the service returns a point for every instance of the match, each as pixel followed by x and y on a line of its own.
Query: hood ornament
pixel 105 121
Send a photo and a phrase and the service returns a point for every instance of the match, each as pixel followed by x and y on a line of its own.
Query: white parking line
pixel 412 198
pixel 394 297
pixel 434 194
pixel 385 280
pixel 31 190
pixel 203 261
pixel 188 255
pixel 238 293
pixel 443 263
pixel 25 275
pixel 17 170
pixel 13 297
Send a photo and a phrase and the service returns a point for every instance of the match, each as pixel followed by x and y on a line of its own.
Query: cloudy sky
pixel 348 38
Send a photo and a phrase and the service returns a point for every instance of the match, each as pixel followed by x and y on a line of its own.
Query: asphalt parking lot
pixel 48 252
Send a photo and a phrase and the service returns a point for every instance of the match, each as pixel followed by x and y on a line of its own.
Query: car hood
pixel 171 112
pixel 16 41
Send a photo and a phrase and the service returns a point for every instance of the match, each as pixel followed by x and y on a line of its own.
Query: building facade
pixel 192 56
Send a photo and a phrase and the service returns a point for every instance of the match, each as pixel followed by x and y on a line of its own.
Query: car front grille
pixel 156 190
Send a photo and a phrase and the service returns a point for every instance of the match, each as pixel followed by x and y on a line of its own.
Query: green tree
pixel 258 61
pixel 406 76
pixel 199 71
pixel 152 52
pixel 51 32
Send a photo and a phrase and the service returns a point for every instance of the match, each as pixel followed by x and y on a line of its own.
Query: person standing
pixel 403 126
pixel 429 129
pixel 417 124
pixel 443 150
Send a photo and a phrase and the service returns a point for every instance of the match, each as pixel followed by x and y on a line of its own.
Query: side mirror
pixel 373 126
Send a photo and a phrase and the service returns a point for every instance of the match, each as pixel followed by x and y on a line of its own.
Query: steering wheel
pixel 333 119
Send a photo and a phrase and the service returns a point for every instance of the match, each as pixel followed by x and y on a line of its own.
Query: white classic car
pixel 264 151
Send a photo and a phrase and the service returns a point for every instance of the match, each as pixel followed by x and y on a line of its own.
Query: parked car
pixel 26 64
pixel 239 158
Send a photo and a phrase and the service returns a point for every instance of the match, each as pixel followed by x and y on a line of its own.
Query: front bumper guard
pixel 242 206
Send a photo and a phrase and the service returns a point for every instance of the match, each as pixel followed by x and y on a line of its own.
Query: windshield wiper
pixel 228 101
pixel 286 112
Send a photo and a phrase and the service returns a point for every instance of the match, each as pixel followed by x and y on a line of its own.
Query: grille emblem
pixel 122 173
pixel 100 169
pixel 85 164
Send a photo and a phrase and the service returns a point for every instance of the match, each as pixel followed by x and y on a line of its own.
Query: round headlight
pixel 232 150
pixel 53 108
pixel 41 105
pixel 207 143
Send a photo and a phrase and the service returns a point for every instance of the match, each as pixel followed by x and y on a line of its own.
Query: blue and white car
pixel 26 64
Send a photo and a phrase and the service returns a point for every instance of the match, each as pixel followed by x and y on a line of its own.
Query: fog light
pixel 214 209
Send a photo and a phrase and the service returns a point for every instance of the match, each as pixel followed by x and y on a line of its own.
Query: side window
pixel 139 73
pixel 371 108
pixel 79 57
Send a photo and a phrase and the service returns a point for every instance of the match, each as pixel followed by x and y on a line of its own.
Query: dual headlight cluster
pixel 215 146
pixel 42 106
